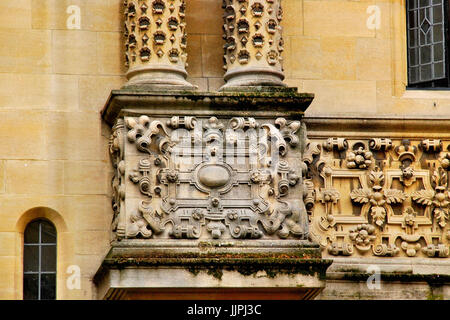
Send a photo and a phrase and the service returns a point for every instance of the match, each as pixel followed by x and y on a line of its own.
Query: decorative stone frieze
pixel 383 196
pixel 253 43
pixel 155 44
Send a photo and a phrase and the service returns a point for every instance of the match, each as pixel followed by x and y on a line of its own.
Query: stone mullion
pixel 155 43
pixel 253 43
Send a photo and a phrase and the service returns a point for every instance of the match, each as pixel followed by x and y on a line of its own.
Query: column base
pixel 158 78
pixel 252 77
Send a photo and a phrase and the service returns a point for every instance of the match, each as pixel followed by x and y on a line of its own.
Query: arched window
pixel 39 261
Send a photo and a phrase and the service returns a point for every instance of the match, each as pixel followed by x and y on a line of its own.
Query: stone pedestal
pixel 209 191
pixel 253 44
pixel 155 44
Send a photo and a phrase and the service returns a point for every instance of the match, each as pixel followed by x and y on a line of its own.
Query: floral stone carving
pixel 390 201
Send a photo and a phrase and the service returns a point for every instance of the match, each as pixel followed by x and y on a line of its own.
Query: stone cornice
pixel 377 126
pixel 265 103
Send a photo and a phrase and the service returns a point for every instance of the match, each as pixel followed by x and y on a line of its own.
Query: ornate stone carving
pixel 437 200
pixel 214 178
pixel 359 158
pixel 116 150
pixel 377 199
pixel 253 43
pixel 396 205
pixel 155 43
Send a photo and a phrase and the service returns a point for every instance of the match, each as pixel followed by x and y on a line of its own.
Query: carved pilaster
pixel 155 44
pixel 253 43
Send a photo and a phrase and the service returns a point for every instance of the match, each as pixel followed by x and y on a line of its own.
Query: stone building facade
pixel 96 89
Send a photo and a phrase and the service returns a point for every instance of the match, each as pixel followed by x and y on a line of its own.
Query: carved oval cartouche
pixel 213 176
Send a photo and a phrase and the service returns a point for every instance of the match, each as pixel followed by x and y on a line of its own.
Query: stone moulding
pixel 213 264
pixel 380 186
pixel 368 126
pixel 276 103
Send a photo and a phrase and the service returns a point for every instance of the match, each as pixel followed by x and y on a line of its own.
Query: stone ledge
pixel 211 264
pixel 277 102
pixel 402 270
pixel 376 126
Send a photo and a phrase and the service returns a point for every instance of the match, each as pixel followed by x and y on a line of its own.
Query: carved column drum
pixel 155 43
pixel 253 43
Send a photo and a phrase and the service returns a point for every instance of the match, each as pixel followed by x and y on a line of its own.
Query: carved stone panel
pixel 208 178
pixel 379 196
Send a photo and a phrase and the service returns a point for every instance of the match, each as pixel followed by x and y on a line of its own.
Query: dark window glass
pixel 48 285
pixel 427 43
pixel 32 233
pixel 39 261
pixel 48 234
pixel 31 258
pixel 30 286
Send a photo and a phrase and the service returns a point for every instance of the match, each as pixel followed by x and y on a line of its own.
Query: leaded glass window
pixel 427 50
pixel 39 261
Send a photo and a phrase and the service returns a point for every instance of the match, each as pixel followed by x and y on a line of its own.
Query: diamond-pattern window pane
pixel 426 40
pixel 425 26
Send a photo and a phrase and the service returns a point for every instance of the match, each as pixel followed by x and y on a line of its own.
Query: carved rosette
pixel 155 43
pixel 253 43
pixel 213 178
pixel 379 196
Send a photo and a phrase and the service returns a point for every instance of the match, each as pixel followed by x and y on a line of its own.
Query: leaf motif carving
pixel 441 216
pixel 424 197
pixel 376 177
pixel 378 214
pixel 394 196
pixel 360 195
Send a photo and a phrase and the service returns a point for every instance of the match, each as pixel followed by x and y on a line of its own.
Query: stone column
pixel 253 43
pixel 155 46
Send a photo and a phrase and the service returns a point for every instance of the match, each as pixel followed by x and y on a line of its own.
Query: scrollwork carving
pixel 194 187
